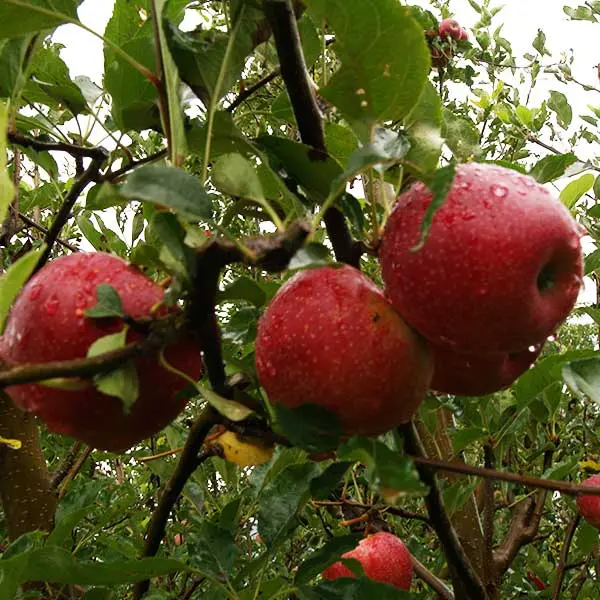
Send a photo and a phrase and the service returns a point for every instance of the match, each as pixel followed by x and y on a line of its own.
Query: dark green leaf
pixel 311 256
pixel 108 303
pixel 552 167
pixel 377 81
pixel 322 486
pixel 214 550
pixel 310 427
pixel 169 186
pixel 18 17
pixel 318 561
pixel 243 288
pixel 583 377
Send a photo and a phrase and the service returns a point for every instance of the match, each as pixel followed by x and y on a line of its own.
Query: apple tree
pixel 234 366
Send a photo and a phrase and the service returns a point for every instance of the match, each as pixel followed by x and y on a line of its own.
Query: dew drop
pixel 51 305
pixel 35 292
pixel 270 369
pixel 499 191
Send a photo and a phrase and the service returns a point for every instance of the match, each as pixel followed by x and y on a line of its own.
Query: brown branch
pixel 94 152
pixel 64 213
pixel 564 554
pixel 73 472
pixel 243 96
pixel 66 464
pixel 31 223
pixel 392 510
pixel 436 584
pixel 188 462
pixel 488 520
pixel 458 562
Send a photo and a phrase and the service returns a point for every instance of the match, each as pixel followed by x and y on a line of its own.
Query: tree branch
pixel 66 464
pixel 488 519
pixel 243 96
pixel 564 554
pixel 458 561
pixel 436 584
pixel 188 463
pixel 64 213
pixel 114 175
pixel 73 472
pixel 93 152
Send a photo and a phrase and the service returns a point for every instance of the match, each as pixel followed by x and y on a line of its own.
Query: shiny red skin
pixel 589 506
pixel 473 286
pixel 383 557
pixel 464 35
pixel 450 28
pixel 478 374
pixel 330 338
pixel 46 323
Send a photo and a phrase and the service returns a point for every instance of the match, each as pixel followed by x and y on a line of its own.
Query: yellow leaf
pixel 14 444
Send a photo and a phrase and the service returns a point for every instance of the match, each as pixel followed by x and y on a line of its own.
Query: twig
pixel 488 519
pixel 93 152
pixel 144 459
pixel 436 584
pixel 243 96
pixel 188 462
pixel 31 223
pixel 114 175
pixel 571 489
pixel 307 113
pixel 392 510
pixel 458 561
pixel 66 464
pixel 73 472
pixel 65 210
pixel 564 554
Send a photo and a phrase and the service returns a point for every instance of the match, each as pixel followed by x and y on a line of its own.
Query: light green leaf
pixel 559 104
pixel 231 409
pixel 576 189
pixel 235 175
pixel 583 377
pixel 13 280
pixel 7 189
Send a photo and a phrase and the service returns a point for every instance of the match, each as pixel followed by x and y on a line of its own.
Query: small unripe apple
pixel 330 338
pixel 589 506
pixel 478 374
pixel 47 323
pixel 450 28
pixel 383 557
pixel 501 267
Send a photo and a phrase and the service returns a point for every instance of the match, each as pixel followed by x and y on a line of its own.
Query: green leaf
pixel 544 373
pixel 465 437
pixel 592 262
pixel 552 167
pixel 576 189
pixel 243 288
pixel 439 184
pixel 52 564
pixel 174 253
pixel 18 17
pixel 13 280
pixel 583 377
pixel 231 409
pixel 558 104
pixel 108 303
pixel 539 43
pixel 123 382
pixel 322 486
pixel 318 561
pixel 213 551
pixel 171 187
pixel 282 499
pixel 311 256
pixel 7 188
pixel 581 13
pixel 310 427
pixel 377 81
pixel 461 136
pixel 353 589
pixel 12 58
pixel 235 175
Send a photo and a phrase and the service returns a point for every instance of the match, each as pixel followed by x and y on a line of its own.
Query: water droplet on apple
pixel 52 305
pixel 36 290
pixel 499 191
pixel 270 369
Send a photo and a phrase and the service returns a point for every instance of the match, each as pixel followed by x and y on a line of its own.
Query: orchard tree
pixel 289 306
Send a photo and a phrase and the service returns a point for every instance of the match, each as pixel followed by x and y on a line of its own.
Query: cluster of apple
pixel 442 41
pixel 466 312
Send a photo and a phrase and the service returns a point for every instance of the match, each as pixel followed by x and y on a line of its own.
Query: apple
pixel 449 28
pixel 589 506
pixel 464 35
pixel 330 338
pixel 478 374
pixel 383 557
pixel 47 323
pixel 501 267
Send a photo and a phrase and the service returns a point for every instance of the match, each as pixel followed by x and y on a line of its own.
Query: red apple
pixel 383 557
pixel 464 35
pixel 501 267
pixel 330 338
pixel 589 506
pixel 47 323
pixel 450 28
pixel 478 374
